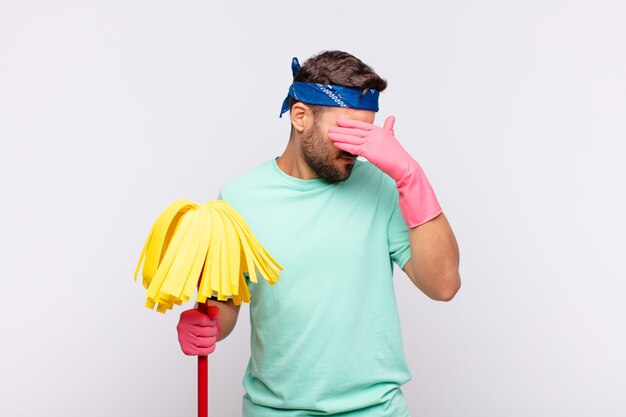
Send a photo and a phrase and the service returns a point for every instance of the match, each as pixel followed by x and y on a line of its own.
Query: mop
pixel 206 247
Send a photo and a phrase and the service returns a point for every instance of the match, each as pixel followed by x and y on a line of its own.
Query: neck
pixel 292 163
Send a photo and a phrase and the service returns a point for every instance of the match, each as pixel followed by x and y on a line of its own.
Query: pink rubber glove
pixel 378 145
pixel 197 332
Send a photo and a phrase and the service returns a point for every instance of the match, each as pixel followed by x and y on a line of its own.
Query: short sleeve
pixel 398 237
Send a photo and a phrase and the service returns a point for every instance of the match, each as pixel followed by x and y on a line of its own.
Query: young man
pixel 325 340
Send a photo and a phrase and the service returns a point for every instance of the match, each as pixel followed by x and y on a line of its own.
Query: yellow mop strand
pixel 209 242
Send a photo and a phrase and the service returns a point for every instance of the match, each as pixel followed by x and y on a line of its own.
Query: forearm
pixel 434 263
pixel 228 315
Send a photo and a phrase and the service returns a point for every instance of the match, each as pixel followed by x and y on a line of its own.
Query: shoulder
pixel 250 179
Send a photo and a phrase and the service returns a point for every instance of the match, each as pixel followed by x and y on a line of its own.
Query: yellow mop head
pixel 210 243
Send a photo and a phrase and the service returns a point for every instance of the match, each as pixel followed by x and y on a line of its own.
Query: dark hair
pixel 338 68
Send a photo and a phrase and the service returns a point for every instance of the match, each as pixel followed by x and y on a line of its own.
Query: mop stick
pixel 203 377
pixel 203 367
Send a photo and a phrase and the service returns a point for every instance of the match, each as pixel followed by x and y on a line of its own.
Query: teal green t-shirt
pixel 325 339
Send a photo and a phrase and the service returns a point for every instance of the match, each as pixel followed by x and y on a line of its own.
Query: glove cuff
pixel 416 197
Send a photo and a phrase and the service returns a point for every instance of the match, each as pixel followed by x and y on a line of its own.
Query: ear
pixel 301 117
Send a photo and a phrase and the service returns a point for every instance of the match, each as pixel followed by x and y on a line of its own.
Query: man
pixel 325 340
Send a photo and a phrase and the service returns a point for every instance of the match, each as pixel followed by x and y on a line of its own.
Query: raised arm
pixel 434 262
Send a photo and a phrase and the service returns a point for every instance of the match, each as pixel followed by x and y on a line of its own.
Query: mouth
pixel 348 156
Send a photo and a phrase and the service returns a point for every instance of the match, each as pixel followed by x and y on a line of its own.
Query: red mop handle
pixel 203 367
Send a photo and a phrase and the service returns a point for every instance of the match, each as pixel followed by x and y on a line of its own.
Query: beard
pixel 323 157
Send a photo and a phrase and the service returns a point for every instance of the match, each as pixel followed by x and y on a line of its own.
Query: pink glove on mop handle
pixel 198 332
pixel 417 200
pixel 203 363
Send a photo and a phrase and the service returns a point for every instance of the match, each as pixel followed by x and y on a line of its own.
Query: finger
pixel 204 323
pixel 195 351
pixel 207 352
pixel 353 149
pixel 203 320
pixel 204 331
pixel 348 131
pixel 184 329
pixel 389 122
pixel 203 342
pixel 343 122
pixel 339 137
pixel 197 346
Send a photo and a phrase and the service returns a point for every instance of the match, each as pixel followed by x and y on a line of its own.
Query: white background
pixel 516 110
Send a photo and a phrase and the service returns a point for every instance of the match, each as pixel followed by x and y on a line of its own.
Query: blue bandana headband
pixel 329 95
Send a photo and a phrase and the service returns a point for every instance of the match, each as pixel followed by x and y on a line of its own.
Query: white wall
pixel 111 110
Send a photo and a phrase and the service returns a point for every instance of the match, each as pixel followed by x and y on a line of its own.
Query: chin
pixel 346 172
